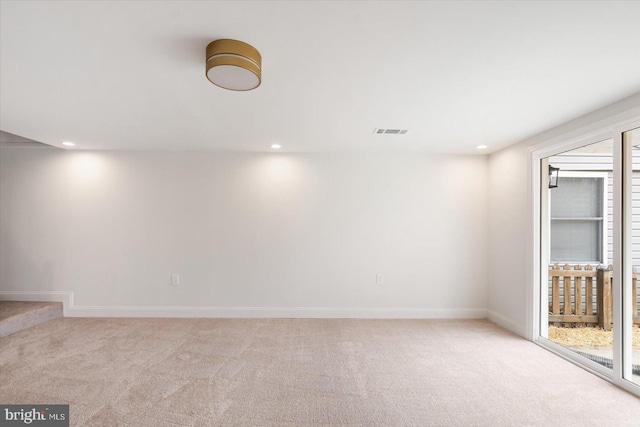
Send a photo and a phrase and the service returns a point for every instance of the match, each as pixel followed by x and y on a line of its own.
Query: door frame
pixel 539 239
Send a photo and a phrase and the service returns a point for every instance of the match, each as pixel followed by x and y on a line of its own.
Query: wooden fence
pixel 573 303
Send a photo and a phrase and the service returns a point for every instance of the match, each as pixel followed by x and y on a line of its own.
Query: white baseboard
pixel 65 297
pixel 506 323
pixel 279 312
pixel 71 310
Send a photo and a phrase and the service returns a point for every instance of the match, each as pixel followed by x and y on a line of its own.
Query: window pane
pixel 577 198
pixel 576 220
pixel 576 241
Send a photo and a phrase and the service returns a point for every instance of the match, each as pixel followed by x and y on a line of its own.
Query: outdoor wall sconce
pixel 553 176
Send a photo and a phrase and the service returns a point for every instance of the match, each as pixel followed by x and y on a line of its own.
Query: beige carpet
pixel 290 372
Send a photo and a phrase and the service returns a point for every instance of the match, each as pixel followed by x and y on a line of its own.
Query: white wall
pixel 509 225
pixel 274 231
pixel 511 220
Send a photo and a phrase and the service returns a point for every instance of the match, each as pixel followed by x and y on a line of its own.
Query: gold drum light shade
pixel 233 65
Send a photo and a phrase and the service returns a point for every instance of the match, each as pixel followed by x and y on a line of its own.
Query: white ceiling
pixel 131 75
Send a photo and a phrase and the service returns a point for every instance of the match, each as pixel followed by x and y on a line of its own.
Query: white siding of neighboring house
pixel 598 163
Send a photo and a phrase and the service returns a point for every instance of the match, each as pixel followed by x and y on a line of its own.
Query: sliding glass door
pixel 579 313
pixel 588 301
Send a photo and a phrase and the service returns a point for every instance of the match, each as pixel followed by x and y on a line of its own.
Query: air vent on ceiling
pixel 390 131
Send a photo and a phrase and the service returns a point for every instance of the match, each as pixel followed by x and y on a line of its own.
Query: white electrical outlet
pixel 175 279
pixel 379 279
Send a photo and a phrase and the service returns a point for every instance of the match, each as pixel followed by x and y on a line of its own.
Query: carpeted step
pixel 16 316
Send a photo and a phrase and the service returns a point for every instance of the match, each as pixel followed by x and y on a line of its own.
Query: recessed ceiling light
pixel 276 146
pixel 481 147
pixel 68 144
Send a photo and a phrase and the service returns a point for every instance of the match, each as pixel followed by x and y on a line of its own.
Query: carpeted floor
pixel 291 372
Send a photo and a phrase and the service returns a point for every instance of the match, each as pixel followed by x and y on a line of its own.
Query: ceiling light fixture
pixel 276 146
pixel 233 65
pixel 481 147
pixel 68 144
